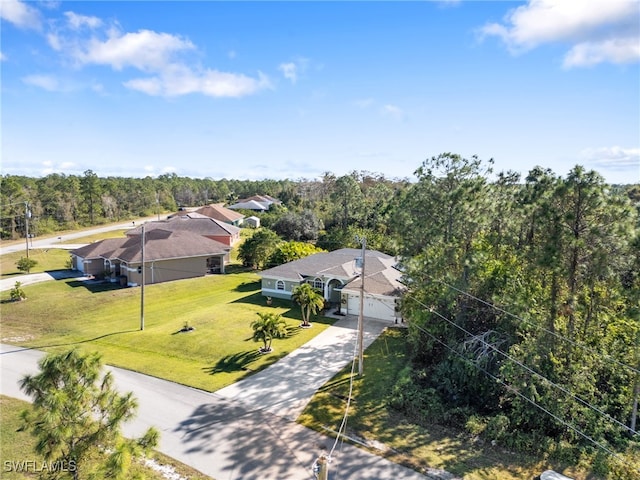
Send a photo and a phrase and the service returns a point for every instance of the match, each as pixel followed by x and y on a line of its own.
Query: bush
pixel 17 293
pixel 475 425
pixel 413 399
pixel 497 427
pixel 26 264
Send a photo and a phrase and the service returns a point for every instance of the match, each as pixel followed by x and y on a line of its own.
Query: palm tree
pixel 268 327
pixel 310 301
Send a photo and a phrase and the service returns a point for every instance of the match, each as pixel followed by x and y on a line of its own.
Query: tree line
pixel 523 294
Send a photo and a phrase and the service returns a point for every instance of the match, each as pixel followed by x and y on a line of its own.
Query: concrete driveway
pixel 245 431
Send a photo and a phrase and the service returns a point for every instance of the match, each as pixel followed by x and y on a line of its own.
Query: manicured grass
pixel 103 317
pixel 48 259
pixel 17 446
pixel 370 419
pixel 96 237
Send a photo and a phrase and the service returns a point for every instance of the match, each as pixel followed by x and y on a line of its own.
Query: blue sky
pixel 293 89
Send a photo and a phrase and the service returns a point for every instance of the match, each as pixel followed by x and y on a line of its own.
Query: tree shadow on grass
pixel 248 286
pixel 94 286
pixel 234 363
pixel 78 342
pixel 253 299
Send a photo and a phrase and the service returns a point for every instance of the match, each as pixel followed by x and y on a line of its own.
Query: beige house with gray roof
pixel 168 256
pixel 337 275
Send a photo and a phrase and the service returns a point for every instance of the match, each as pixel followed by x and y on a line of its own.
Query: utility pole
pixel 27 215
pixel 363 241
pixel 321 467
pixel 142 286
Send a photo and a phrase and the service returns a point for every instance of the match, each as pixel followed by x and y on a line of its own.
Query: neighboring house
pixel 219 212
pixel 253 222
pixel 168 255
pixel 195 223
pixel 257 203
pixel 337 275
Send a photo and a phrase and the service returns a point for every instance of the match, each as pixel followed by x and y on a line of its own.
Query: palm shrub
pixel 310 301
pixel 267 327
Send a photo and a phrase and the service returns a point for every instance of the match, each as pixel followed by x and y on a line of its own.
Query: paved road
pixel 245 431
pixel 55 241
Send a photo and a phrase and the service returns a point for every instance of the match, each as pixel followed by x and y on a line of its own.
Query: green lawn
pixel 47 258
pixel 17 446
pixel 103 317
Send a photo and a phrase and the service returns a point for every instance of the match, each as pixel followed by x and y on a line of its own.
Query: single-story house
pixel 257 203
pixel 168 255
pixel 195 223
pixel 217 211
pixel 337 275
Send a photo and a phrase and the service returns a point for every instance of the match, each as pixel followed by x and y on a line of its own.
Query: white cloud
pixel 292 70
pixel 599 30
pixel 145 50
pixel 613 158
pixel 87 40
pixel 617 50
pixel 289 70
pixel 181 80
pixel 3 57
pixel 77 21
pixel 49 167
pixel 20 14
pixel 47 82
pixel 393 111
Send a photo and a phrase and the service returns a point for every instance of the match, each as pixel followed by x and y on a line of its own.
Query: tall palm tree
pixel 268 327
pixel 310 301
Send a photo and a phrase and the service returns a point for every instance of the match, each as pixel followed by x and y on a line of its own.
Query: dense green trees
pixel 522 306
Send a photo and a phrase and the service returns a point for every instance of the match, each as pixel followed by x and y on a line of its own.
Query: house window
pixel 279 285
pixel 317 283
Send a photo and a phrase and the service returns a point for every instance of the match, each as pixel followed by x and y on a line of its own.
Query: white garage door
pixel 374 307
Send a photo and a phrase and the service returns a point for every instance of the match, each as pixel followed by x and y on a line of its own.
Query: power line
pixel 557 335
pixel 515 390
pixel 530 370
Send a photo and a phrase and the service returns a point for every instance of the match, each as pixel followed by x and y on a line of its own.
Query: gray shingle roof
pixel 191 222
pixel 381 278
pixel 159 245
pixel 339 263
